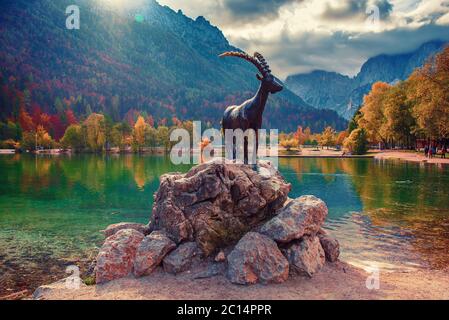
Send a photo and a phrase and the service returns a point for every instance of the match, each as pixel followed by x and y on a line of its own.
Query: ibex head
pixel 265 76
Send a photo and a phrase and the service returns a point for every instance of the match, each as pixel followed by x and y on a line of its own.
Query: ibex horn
pixel 247 57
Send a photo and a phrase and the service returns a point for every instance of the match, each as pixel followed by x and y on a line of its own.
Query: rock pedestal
pixel 228 216
pixel 215 204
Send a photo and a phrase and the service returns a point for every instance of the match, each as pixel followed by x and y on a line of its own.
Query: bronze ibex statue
pixel 248 115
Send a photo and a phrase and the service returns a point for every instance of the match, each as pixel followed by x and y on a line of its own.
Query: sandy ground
pixel 411 156
pixel 334 281
pixel 318 153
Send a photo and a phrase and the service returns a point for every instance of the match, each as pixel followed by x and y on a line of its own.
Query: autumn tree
pixel 341 138
pixel 94 128
pixel 301 136
pixel 43 139
pixel 289 143
pixel 373 117
pixel 399 121
pixel 139 132
pixel 327 137
pixel 430 95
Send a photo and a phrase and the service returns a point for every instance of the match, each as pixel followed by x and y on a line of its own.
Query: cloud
pixel 342 52
pixel 243 9
pixel 356 9
pixel 300 36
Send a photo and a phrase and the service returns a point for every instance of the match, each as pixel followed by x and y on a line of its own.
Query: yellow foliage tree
pixel 43 139
pixel 139 132
pixel 429 90
pixel 327 137
pixel 373 118
pixel 95 132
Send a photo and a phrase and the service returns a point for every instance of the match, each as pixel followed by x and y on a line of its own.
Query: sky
pixel 298 36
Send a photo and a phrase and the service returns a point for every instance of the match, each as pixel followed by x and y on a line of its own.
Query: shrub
pixel 357 142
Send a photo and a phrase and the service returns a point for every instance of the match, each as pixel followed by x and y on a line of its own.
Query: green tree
pixel 74 138
pixel 163 137
pixel 357 142
pixel 94 128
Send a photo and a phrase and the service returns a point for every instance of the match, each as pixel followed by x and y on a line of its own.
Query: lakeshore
pixel 411 157
pixel 64 200
pixel 336 281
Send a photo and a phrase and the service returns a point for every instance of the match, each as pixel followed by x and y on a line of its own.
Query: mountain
pixel 338 92
pixel 145 59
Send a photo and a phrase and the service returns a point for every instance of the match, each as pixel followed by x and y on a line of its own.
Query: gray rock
pixel 301 216
pixel 113 228
pixel 216 203
pixel 256 258
pixel 305 256
pixel 211 270
pixel 69 283
pixel 116 257
pixel 181 258
pixel 330 245
pixel 151 251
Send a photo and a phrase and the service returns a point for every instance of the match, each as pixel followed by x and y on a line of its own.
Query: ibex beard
pixel 239 145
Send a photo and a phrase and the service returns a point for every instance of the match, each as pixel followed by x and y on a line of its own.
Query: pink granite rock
pixel 116 257
pixel 306 256
pixel 113 228
pixel 301 216
pixel 151 251
pixel 256 258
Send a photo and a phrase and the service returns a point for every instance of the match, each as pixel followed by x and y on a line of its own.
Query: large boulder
pixel 113 228
pixel 182 258
pixel 330 245
pixel 116 257
pixel 151 251
pixel 216 203
pixel 256 258
pixel 299 217
pixel 305 256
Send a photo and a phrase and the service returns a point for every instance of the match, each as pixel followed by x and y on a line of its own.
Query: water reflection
pixel 389 213
pixel 392 214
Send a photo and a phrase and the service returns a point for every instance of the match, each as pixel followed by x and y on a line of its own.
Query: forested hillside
pixel 149 61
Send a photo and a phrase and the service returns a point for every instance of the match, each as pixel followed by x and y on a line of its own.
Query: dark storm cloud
pixel 356 9
pixel 241 9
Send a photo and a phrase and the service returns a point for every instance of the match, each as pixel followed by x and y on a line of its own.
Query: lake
pixel 389 214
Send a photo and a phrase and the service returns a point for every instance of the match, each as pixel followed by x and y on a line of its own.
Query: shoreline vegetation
pixel 410 115
pixel 402 155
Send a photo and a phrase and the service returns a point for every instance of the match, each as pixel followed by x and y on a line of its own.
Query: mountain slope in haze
pixel 165 66
pixel 331 90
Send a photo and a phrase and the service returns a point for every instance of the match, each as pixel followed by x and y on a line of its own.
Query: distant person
pixel 443 152
pixel 426 151
pixel 434 151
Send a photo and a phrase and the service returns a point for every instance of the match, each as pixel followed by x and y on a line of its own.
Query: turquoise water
pixel 391 214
